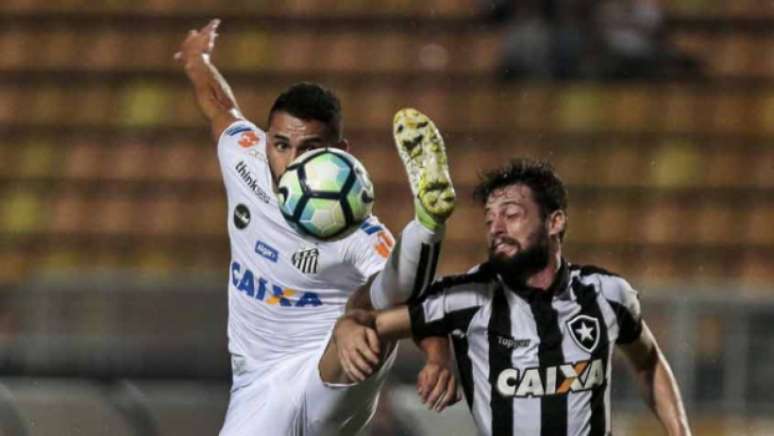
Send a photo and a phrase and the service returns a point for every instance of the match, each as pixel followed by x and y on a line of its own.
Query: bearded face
pixel 518 233
pixel 525 258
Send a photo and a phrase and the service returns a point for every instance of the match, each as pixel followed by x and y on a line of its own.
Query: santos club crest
pixel 584 330
pixel 306 260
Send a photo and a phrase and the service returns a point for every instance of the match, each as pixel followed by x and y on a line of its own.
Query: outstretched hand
pixel 357 345
pixel 437 386
pixel 198 42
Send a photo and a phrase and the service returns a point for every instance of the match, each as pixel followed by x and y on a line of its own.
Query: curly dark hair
pixel 311 101
pixel 539 176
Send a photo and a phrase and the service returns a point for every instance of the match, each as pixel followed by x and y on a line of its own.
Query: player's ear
pixel 557 222
pixel 342 144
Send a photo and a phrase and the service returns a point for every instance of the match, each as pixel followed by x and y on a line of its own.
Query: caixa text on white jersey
pixel 270 293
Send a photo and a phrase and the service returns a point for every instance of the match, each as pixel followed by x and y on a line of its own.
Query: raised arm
pixel 657 383
pixel 213 94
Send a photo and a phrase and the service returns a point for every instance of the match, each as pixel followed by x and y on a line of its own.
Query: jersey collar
pixel 560 287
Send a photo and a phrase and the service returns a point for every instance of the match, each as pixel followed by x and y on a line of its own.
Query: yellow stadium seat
pixel 22 212
pixel 143 104
pixel 37 158
pixel 252 50
pixel 676 164
pixel 579 108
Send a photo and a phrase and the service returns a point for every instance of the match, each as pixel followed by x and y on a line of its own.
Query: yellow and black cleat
pixel 423 153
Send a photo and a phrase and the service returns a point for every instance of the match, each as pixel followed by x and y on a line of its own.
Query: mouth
pixel 504 246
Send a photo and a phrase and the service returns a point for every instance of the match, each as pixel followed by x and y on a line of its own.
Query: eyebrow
pixel 506 203
pixel 314 138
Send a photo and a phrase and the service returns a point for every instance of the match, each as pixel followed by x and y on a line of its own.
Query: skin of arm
pixel 355 353
pixel 213 94
pixel 657 383
pixel 436 349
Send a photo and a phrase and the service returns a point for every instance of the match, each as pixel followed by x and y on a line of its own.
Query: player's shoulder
pixel 372 234
pixel 371 226
pixel 242 133
pixel 476 280
pixel 611 285
pixel 372 229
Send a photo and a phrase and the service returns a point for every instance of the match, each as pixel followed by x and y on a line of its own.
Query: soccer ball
pixel 325 193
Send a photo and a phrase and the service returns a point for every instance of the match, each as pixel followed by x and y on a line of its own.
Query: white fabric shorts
pixel 292 400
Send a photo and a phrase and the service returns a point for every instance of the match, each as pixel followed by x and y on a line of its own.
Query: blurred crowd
pixel 583 39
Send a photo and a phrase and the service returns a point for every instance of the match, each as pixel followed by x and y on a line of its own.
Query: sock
pixel 410 268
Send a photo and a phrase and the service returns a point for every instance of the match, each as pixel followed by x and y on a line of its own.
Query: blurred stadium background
pixel 113 252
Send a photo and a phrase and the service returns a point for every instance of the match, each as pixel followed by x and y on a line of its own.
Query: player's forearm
pixel 663 396
pixel 213 94
pixel 436 349
pixel 393 324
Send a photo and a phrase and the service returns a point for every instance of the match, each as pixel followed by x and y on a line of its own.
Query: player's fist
pixel 357 345
pixel 198 42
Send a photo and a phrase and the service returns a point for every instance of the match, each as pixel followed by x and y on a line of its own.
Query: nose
pixel 496 227
pixel 292 155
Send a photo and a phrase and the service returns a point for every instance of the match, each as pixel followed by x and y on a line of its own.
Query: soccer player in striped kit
pixel 533 334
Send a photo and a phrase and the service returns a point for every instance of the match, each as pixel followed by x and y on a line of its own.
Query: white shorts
pixel 292 400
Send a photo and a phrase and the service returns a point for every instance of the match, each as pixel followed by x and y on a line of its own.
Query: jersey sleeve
pixel 428 316
pixel 243 134
pixel 445 309
pixel 369 249
pixel 626 304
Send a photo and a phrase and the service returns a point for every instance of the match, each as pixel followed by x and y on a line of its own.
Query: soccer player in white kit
pixel 286 290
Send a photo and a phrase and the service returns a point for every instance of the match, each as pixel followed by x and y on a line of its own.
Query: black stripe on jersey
pixel 465 368
pixel 629 328
pixel 420 281
pixel 587 299
pixel 500 360
pixel 461 320
pixel 553 418
pixel 433 264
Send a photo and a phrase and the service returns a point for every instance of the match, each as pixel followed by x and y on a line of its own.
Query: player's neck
pixel 544 278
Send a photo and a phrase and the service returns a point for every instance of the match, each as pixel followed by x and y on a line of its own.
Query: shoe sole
pixel 422 150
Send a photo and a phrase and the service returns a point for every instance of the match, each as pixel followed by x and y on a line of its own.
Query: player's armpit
pixel 361 298
pixel 642 352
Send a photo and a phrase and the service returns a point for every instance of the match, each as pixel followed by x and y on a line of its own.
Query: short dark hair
pixel 539 176
pixel 311 101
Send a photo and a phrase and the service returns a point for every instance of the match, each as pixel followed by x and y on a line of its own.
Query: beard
pixel 516 269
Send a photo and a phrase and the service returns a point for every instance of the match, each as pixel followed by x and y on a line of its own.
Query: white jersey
pixel 285 290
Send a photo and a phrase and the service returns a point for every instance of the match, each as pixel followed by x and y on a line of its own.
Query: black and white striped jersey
pixel 531 362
